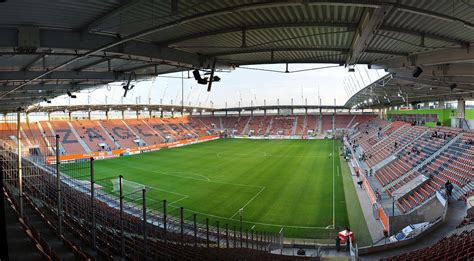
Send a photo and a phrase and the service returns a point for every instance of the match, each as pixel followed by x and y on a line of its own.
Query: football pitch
pixel 291 184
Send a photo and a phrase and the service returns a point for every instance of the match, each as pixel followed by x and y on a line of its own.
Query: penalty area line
pixel 248 202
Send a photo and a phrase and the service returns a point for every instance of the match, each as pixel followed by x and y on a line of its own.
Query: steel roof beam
pixel 240 29
pixel 32 62
pixel 83 43
pixel 423 34
pixel 48 87
pixel 278 49
pixel 454 69
pixel 126 4
pixel 103 60
pixel 300 49
pixel 369 23
pixel 62 75
pixel 434 83
pixel 442 56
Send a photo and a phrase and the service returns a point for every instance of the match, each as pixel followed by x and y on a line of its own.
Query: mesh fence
pixel 114 217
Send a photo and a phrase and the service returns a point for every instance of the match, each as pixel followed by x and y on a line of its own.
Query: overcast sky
pixel 244 85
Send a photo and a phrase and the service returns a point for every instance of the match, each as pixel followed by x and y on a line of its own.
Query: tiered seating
pixel 209 122
pixel 387 146
pixel 264 124
pixel 36 138
pixel 240 125
pixel 361 119
pixel 455 164
pixel 310 124
pixel 409 158
pixel 165 133
pixel 67 137
pixel 459 246
pixel 392 171
pixel 282 125
pixel 177 128
pixel 365 132
pixel 300 125
pixel 230 122
pixel 418 196
pixel 199 127
pixel 327 123
pixel 144 131
pixel 92 134
pixel 341 121
pixel 254 124
pixel 119 133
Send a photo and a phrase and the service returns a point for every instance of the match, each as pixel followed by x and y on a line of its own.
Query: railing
pixel 127 224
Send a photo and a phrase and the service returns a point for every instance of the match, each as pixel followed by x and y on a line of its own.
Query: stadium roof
pixel 50 47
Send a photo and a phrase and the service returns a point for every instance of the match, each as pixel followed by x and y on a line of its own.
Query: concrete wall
pixel 427 213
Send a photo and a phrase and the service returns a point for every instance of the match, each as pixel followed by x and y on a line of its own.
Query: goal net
pixel 131 190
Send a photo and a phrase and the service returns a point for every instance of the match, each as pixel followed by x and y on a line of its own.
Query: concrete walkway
pixel 375 226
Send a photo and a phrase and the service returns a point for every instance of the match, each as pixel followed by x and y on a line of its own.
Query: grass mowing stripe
pixel 279 182
pixel 356 217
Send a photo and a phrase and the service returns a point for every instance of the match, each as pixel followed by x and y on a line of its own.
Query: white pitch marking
pixel 248 202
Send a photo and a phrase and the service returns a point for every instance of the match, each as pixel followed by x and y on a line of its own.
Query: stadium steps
pixel 57 246
pixel 319 124
pixel 132 131
pixel 350 122
pixel 267 132
pixel 246 128
pixel 61 149
pixel 220 122
pixel 153 130
pixel 19 245
pixel 108 135
pixel 391 158
pixel 458 193
pixel 79 139
pixel 24 136
pixel 295 124
pixel 423 163
pixel 304 127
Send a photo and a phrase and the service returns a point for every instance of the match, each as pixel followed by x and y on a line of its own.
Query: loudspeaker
pixel 417 72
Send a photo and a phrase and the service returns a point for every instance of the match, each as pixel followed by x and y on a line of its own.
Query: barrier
pixel 129 151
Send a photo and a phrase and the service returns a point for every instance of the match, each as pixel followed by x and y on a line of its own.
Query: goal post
pixel 131 190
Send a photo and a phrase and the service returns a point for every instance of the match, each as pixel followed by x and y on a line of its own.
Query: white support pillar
pixel 460 114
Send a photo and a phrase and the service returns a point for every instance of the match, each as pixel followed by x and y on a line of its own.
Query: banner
pixel 129 151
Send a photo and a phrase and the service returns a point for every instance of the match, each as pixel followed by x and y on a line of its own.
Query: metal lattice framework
pixel 47 49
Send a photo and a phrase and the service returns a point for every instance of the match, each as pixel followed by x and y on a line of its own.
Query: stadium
pixel 177 130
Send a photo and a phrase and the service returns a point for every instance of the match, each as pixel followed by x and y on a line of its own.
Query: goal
pixel 131 189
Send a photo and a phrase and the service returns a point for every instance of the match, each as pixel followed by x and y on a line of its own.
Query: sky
pixel 242 86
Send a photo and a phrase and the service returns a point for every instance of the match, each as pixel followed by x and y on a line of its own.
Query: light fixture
pixel 72 96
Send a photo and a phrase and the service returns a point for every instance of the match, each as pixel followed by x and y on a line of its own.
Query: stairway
pixel 19 245
pixel 350 122
pixel 246 128
pixel 269 127
pixel 293 128
pixel 426 161
pixel 117 145
pixel 79 139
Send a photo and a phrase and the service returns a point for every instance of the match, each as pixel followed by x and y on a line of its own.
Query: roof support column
pixel 107 114
pixel 123 115
pixel 460 114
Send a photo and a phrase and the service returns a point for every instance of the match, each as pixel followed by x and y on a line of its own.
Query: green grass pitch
pixel 292 184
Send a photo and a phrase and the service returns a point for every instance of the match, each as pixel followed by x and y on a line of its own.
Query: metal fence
pixel 108 222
